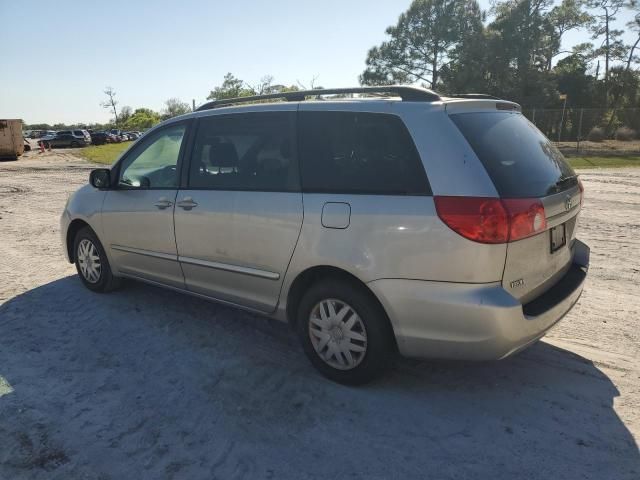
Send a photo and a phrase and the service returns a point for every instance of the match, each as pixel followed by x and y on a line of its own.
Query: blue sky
pixel 57 56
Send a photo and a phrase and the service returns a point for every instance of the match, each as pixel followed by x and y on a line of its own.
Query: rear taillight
pixel 492 220
pixel 479 219
pixel 526 217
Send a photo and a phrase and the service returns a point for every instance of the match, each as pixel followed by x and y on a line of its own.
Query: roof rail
pixel 477 96
pixel 407 94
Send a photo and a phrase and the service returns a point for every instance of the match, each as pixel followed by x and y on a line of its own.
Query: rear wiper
pixel 557 187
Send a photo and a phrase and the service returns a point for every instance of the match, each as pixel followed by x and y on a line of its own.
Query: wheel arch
pixel 74 227
pixel 308 277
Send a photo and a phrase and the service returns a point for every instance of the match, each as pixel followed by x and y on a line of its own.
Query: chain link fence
pixel 578 125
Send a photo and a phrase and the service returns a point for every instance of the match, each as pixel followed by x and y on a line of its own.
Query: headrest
pixel 223 155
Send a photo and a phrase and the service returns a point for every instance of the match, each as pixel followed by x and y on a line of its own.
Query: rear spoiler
pixel 468 105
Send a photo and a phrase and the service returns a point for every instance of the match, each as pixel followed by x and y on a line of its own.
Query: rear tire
pixel 345 333
pixel 92 263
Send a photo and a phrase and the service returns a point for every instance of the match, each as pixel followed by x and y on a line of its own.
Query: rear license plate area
pixel 558 237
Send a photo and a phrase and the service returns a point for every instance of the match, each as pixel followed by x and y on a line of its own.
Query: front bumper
pixel 65 220
pixel 474 321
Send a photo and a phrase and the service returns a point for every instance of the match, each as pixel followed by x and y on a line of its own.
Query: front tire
pixel 345 333
pixel 92 263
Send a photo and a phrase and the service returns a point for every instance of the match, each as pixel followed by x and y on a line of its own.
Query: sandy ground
pixel 145 383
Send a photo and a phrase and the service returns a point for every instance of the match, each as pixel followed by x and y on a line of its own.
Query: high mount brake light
pixel 492 220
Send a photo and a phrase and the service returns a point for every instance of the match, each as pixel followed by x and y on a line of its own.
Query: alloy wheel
pixel 337 334
pixel 89 261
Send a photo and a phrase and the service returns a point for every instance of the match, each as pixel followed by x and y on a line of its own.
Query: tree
pixel 634 25
pixel 611 46
pixel 125 114
pixel 420 44
pixel 567 16
pixel 467 69
pixel 572 78
pixel 519 33
pixel 231 87
pixel 111 102
pixel 142 119
pixel 265 86
pixel 625 82
pixel 175 107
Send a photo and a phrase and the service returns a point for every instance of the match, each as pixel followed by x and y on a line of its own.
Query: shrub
pixel 625 134
pixel 596 134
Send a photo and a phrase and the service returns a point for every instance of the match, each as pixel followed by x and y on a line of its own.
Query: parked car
pixel 100 138
pixel 433 226
pixel 83 133
pixel 65 138
pixel 118 135
pixel 76 133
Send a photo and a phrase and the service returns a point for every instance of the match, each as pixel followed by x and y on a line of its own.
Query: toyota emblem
pixel 568 203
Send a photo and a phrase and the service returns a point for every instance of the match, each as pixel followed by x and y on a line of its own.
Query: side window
pixel 245 151
pixel 153 164
pixel 355 152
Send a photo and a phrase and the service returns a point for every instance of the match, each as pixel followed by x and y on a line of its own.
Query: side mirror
pixel 100 178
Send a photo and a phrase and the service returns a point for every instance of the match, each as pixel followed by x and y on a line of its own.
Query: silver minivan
pixel 397 221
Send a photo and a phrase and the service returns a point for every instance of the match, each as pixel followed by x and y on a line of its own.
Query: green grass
pixel 594 162
pixel 106 154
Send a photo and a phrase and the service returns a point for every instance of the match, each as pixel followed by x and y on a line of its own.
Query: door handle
pixel 163 203
pixel 187 203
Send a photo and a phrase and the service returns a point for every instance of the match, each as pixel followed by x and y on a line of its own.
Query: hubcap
pixel 89 261
pixel 337 334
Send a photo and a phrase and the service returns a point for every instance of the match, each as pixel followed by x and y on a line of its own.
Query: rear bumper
pixel 474 321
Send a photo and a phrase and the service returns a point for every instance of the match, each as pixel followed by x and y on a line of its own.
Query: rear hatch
pixel 524 164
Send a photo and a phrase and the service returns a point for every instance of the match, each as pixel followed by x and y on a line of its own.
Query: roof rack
pixel 407 94
pixel 477 96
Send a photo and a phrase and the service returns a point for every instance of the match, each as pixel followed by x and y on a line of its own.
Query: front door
pixel 137 216
pixel 238 220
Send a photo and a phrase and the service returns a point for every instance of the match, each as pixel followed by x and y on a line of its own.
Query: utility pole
pixel 564 106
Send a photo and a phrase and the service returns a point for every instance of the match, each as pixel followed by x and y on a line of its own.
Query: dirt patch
pixel 146 383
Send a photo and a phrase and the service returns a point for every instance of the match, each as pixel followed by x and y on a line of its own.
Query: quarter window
pixel 153 164
pixel 354 152
pixel 245 151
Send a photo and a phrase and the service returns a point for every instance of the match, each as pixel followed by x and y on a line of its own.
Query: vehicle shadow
pixel 146 383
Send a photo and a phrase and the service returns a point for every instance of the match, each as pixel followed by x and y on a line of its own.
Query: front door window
pixel 154 163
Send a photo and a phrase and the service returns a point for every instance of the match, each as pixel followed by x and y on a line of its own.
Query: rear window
pixel 362 153
pixel 520 160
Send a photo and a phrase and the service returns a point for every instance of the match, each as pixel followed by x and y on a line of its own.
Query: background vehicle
pixel 11 141
pixel 100 138
pixel 82 133
pixel 64 139
pixel 434 226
